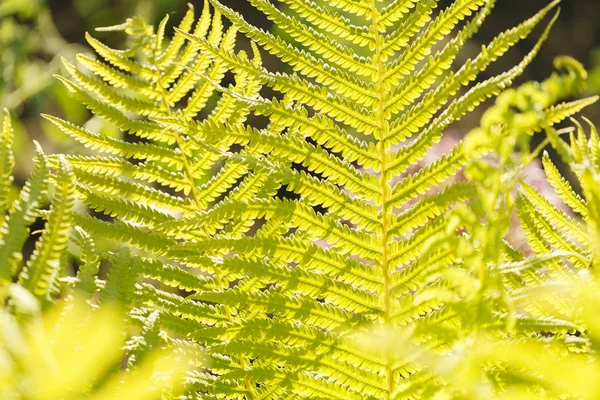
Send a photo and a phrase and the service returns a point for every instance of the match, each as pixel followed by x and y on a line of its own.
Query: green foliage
pixel 550 229
pixel 284 221
pixel 559 280
pixel 516 312
pixel 18 217
pixel 71 353
pixel 72 349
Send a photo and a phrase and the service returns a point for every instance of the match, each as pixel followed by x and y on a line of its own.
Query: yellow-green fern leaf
pixel 281 215
pixel 23 212
pixel 43 268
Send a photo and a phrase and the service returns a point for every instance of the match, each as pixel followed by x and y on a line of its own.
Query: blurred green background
pixel 35 34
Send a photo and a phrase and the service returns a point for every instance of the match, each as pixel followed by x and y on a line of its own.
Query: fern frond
pixel 297 150
pixel 127 210
pixel 109 94
pixel 42 270
pixel 114 167
pixel 432 33
pixel 118 78
pixel 270 245
pixel 366 383
pixel 24 211
pixel 408 29
pixel 123 232
pixel 429 176
pixel 407 250
pixel 332 22
pixel 293 306
pixel 177 305
pixel 413 276
pixel 417 117
pixel 132 191
pixel 174 276
pixel 435 66
pixel 562 187
pixel 556 216
pixel 543 228
pixel 395 11
pixel 331 52
pixel 7 164
pixel 302 216
pixel 560 241
pixel 140 151
pixel 310 283
pixel 120 60
pixel 290 249
pixel 42 275
pixel 175 45
pixel 113 115
pixel 431 207
pixel 120 284
pixel 356 7
pixel 90 263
